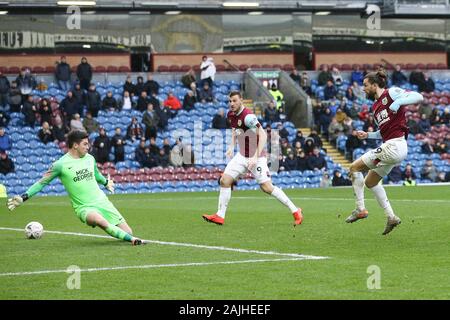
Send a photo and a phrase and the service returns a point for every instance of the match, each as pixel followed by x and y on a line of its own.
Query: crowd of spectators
pixel 304 153
pixel 334 115
pixel 409 175
pixel 80 107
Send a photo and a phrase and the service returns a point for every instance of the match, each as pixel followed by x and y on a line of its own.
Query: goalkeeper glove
pixel 16 201
pixel 110 184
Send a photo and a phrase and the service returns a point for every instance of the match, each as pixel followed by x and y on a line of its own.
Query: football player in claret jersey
pixel 251 138
pixel 389 113
pixel 78 172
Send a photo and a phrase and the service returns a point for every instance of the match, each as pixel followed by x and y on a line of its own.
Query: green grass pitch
pixel 413 260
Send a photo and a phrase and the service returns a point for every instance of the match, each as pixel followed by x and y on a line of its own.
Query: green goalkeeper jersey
pixel 79 176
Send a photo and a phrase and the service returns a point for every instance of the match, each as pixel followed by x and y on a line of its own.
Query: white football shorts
pixel 387 156
pixel 239 166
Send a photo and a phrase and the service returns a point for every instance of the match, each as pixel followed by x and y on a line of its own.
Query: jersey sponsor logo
pixel 382 117
pixel 83 174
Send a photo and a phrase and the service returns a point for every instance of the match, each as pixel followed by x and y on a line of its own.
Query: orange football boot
pixel 298 217
pixel 214 218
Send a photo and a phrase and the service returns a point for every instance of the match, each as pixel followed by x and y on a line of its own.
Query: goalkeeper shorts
pixel 105 209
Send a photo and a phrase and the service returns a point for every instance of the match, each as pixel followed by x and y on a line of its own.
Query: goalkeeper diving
pixel 79 174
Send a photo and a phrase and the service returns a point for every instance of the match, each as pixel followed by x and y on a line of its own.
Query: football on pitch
pixel 34 230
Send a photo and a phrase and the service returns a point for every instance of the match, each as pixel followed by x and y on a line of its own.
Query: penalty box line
pixel 190 245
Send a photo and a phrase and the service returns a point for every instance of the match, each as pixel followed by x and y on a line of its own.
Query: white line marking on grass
pixel 295 255
pixel 149 266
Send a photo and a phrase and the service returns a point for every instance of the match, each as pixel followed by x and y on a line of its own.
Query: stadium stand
pixel 32 158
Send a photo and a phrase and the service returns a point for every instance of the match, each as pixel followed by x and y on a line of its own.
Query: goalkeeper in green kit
pixel 78 172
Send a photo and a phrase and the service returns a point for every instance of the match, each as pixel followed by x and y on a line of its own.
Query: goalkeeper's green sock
pixel 118 233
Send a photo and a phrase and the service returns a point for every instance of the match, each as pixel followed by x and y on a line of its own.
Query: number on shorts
pixel 259 169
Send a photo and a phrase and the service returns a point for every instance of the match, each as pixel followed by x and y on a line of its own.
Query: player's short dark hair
pixel 379 77
pixel 235 93
pixel 75 136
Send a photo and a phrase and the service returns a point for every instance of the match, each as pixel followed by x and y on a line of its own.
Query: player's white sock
pixel 224 198
pixel 283 198
pixel 380 195
pixel 358 188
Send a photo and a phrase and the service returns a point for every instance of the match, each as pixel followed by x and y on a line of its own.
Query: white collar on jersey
pixel 242 109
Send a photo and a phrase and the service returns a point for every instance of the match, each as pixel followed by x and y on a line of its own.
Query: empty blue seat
pixel 101 118
pixel 14 182
pixel 17 189
pixel 125 120
pixel 21 144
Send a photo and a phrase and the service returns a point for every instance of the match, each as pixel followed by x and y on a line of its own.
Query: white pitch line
pixel 148 266
pixel 295 255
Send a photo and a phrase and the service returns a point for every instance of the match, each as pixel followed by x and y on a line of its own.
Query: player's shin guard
pixel 380 195
pixel 283 198
pixel 224 198
pixel 358 188
pixel 118 233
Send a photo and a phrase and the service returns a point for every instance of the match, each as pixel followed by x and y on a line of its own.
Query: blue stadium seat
pixel 33 159
pixel 16 136
pixel 54 152
pixel 18 189
pixel 108 126
pixel 308 173
pixel 120 165
pixel 21 144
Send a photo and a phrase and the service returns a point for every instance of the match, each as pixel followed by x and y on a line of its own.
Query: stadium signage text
pixel 29 39
pixel 25 39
